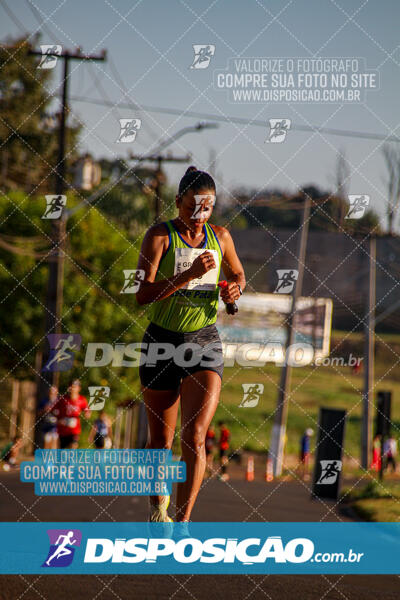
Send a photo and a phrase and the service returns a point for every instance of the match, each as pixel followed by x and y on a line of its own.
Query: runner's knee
pixel 193 436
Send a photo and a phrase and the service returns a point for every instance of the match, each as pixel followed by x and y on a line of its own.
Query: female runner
pixel 181 260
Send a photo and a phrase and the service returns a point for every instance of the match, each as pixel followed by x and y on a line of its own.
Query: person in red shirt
pixel 68 412
pixel 224 435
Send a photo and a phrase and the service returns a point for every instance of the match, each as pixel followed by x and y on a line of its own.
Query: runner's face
pixel 195 208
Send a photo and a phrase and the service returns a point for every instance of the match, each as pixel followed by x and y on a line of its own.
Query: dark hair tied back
pixel 195 180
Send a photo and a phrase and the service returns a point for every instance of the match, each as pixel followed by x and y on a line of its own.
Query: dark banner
pixel 383 410
pixel 328 453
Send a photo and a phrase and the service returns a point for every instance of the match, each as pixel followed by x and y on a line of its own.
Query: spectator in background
pixel 9 453
pixel 101 432
pixel 48 419
pixel 210 443
pixel 68 411
pixel 376 453
pixel 390 453
pixel 305 444
pixel 357 367
pixel 224 435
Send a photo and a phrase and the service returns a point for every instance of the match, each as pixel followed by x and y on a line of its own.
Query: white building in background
pixel 87 173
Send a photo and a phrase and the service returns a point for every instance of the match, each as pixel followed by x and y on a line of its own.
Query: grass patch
pixel 377 501
pixel 378 510
pixel 311 388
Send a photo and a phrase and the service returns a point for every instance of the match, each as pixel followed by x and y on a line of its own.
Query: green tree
pixel 98 252
pixel 28 140
pixel 131 201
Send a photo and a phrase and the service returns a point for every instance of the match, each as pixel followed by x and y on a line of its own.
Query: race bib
pixel 184 258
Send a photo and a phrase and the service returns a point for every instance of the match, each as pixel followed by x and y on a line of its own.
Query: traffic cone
pixel 250 469
pixel 269 471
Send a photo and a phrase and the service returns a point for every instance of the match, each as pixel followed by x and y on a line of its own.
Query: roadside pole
pixel 55 284
pixel 279 427
pixel 369 358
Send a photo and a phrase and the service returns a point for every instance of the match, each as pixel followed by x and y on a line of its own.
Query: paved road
pixel 236 500
pixel 233 501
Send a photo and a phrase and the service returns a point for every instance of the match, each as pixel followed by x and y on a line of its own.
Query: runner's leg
pixel 199 399
pixel 162 411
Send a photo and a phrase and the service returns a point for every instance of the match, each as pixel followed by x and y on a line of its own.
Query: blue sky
pixel 150 44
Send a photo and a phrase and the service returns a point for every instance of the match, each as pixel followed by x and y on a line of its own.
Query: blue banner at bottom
pixel 199 548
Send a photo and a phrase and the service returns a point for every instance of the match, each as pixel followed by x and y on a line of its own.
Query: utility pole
pixel 159 159
pixel 54 296
pixel 369 357
pixel 279 427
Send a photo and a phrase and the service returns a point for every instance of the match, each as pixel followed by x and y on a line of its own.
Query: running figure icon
pixel 55 205
pixel 330 471
pixel 63 351
pixel 62 550
pixel 280 128
pixel 287 279
pixel 203 54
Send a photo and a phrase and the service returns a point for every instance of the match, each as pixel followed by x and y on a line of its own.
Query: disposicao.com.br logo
pixel 247 551
pixel 203 548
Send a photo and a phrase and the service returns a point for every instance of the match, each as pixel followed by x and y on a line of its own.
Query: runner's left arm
pixel 231 265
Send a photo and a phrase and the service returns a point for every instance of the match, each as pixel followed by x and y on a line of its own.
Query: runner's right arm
pixel 155 242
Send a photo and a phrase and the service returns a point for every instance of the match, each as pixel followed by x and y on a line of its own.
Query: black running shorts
pixel 171 356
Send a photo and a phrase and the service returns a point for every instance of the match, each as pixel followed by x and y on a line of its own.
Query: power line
pixel 41 22
pixel 102 92
pixel 13 17
pixel 24 250
pixel 96 81
pixel 241 120
pixel 168 141
pixel 117 76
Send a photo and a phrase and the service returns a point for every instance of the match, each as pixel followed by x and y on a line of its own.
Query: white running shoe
pixel 158 512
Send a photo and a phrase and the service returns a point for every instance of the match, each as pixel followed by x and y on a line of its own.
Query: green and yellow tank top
pixel 194 306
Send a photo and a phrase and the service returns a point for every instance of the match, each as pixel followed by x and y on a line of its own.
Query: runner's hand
pixel 203 263
pixel 230 293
